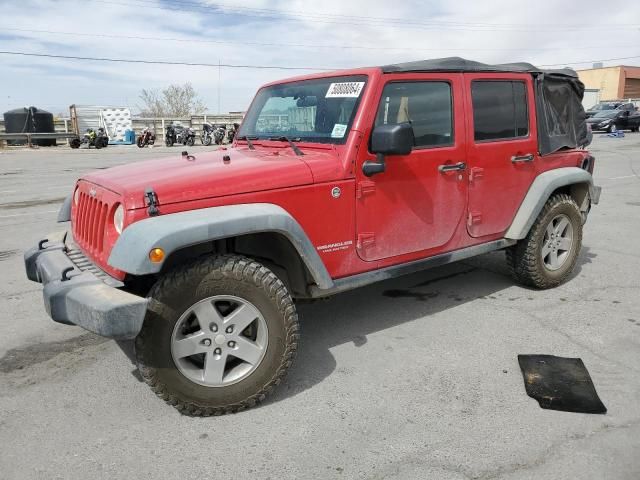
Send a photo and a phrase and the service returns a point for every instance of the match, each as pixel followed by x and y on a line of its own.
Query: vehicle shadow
pixel 351 316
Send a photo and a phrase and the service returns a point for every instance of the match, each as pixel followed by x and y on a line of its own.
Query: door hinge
pixel 365 240
pixel 476 172
pixel 474 218
pixel 364 188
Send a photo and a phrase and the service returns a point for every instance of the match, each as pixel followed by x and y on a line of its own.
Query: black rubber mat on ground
pixel 559 383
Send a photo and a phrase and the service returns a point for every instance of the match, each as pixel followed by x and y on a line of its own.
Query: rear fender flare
pixel 179 230
pixel 582 190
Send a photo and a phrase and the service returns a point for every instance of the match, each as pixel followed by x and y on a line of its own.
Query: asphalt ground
pixel 412 378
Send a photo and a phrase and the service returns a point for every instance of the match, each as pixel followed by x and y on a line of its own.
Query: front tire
pixel 141 142
pixel 219 335
pixel 547 255
pixel 191 141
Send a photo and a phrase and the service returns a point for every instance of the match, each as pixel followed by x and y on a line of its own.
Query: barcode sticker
pixel 344 90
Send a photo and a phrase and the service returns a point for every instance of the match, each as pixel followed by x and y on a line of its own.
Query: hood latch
pixel 151 199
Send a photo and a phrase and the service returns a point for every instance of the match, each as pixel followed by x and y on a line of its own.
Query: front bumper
pixel 79 297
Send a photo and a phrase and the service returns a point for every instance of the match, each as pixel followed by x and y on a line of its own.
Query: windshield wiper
pixel 282 138
pixel 248 140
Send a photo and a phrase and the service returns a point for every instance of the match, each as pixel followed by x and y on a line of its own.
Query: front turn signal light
pixel 156 255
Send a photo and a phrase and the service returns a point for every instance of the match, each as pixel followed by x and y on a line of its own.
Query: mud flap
pixel 559 383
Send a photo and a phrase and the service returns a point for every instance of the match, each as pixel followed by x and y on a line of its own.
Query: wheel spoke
pixel 546 250
pixel 213 371
pixel 550 231
pixel 553 258
pixel 241 317
pixel 190 345
pixel 562 226
pixel 565 244
pixel 206 313
pixel 247 350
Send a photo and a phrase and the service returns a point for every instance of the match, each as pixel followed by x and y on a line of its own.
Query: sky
pixel 329 34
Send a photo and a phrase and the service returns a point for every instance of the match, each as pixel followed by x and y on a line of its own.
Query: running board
pixel 366 278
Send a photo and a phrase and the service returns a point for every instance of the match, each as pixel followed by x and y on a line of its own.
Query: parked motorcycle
pixel 207 134
pixel 219 133
pixel 147 137
pixel 179 134
pixel 98 139
pixel 231 134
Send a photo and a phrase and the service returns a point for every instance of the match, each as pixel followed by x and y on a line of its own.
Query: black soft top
pixel 559 92
pixel 457 64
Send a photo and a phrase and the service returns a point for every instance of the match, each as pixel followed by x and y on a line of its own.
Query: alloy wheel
pixel 219 341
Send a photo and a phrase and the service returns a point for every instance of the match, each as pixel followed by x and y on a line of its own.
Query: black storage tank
pixel 32 119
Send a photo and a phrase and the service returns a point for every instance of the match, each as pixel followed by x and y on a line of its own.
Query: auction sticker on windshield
pixel 338 131
pixel 344 90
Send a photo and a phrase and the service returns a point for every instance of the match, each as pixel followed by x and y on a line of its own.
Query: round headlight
pixel 76 197
pixel 118 218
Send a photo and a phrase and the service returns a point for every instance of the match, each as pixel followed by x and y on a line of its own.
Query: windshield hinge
pixel 151 199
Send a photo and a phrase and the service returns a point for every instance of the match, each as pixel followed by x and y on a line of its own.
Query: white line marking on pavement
pixel 27 214
pixel 620 178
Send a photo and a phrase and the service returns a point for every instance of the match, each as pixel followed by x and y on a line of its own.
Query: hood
pixel 178 179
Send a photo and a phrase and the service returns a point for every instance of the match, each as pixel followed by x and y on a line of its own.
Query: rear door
pixel 414 206
pixel 502 148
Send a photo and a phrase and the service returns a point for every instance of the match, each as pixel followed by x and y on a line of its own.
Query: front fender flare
pixel 178 230
pixel 543 186
pixel 64 214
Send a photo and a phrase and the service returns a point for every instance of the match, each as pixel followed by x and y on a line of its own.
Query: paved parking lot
pixel 412 378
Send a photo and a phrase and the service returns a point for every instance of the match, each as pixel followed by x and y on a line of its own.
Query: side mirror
pixel 396 139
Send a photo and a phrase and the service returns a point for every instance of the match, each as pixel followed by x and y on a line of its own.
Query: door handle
pixel 522 158
pixel 452 168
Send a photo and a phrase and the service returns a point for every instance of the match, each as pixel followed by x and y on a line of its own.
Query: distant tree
pixel 173 101
pixel 152 104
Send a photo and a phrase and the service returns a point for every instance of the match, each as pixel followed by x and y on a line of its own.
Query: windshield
pixel 606 114
pixel 320 110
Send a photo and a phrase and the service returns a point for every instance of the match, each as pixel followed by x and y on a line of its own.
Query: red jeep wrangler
pixel 335 180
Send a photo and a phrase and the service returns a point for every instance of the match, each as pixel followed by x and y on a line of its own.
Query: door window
pixel 499 110
pixel 426 105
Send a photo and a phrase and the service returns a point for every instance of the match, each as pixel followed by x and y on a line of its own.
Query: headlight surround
pixel 118 218
pixel 76 197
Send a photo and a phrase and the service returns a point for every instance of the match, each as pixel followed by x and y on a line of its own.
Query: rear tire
pixel 180 309
pixel 547 255
pixel 191 141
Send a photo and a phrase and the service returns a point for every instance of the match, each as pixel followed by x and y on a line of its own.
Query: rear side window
pixel 426 105
pixel 499 110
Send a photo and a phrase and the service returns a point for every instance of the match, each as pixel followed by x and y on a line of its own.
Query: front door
pixel 415 205
pixel 502 148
